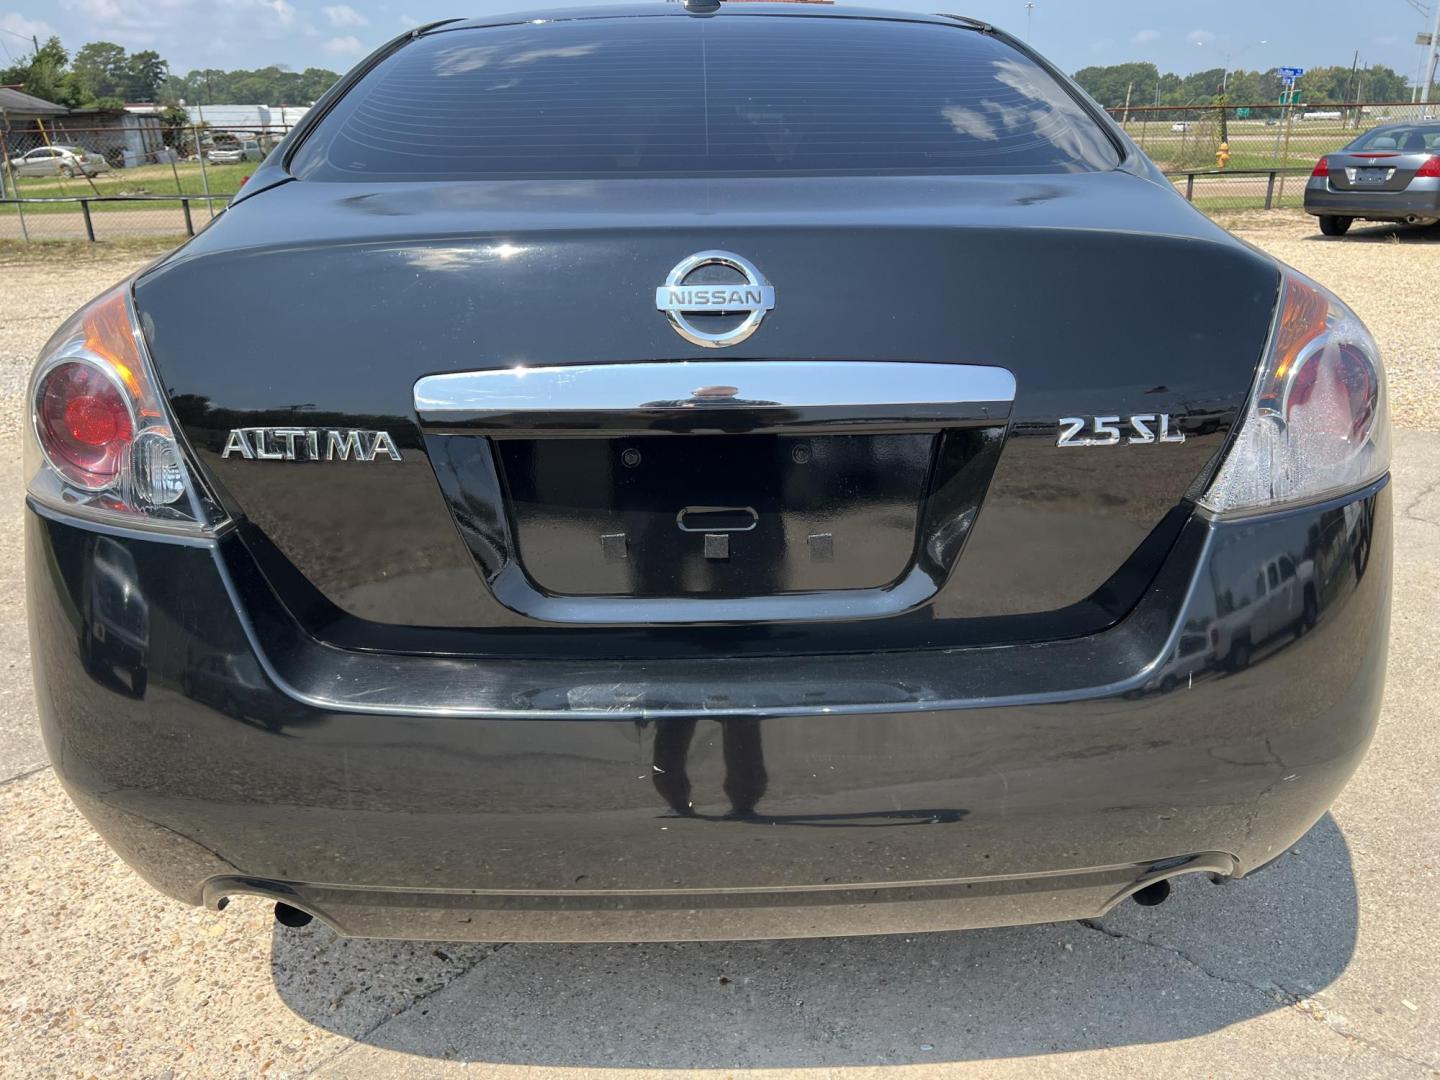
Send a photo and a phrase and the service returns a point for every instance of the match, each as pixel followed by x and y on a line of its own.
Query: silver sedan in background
pixel 1391 173
pixel 59 161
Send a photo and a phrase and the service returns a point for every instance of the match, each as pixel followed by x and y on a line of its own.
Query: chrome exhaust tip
pixel 292 917
pixel 1152 895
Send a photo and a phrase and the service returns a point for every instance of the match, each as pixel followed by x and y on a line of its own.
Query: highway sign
pixel 1290 73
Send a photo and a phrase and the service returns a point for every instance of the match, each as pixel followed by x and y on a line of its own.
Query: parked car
pixel 1180 125
pixel 229 149
pixel 722 518
pixel 59 161
pixel 1391 173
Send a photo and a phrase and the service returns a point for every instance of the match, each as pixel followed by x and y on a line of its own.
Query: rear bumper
pixel 220 751
pixel 1421 199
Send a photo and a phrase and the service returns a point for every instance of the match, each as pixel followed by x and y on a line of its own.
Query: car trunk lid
pixel 1374 170
pixel 957 518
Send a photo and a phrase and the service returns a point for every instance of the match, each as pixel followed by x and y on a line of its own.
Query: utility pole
pixel 1354 92
pixel 1128 89
pixel 1434 56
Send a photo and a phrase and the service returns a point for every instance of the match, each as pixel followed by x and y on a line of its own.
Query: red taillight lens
pixel 1322 167
pixel 1430 168
pixel 84 423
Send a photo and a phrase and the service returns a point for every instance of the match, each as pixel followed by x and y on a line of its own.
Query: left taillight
pixel 101 443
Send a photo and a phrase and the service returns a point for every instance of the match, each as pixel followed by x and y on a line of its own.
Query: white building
pixel 224 117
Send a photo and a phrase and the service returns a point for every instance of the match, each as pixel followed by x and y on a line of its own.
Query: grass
pixel 185 179
pixel 74 252
pixel 1221 203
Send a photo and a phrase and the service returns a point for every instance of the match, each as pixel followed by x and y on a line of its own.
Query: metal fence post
pixel 1190 187
pixel 189 225
pixel 89 225
pixel 204 176
pixel 1270 192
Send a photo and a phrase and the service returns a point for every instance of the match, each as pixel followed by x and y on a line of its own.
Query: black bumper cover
pixel 219 750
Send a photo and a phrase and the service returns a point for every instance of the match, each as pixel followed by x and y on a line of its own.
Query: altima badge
pixel 678 298
pixel 309 444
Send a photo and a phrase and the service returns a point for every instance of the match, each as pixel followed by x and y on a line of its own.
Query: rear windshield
pixel 1414 140
pixel 733 95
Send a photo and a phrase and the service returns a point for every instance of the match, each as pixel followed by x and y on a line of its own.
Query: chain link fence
pixel 99 183
pixel 129 179
pixel 1269 150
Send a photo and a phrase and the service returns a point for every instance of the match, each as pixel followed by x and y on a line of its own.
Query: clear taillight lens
pixel 1318 423
pixel 101 443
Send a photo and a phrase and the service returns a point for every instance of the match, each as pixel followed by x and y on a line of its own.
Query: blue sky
pixel 1073 33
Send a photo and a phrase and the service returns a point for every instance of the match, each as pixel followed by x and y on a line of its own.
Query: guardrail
pixel 1263 189
pixel 84 202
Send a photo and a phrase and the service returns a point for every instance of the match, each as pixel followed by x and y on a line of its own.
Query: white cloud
pixel 409 22
pixel 132 23
pixel 1200 37
pixel 341 15
pixel 1145 37
pixel 344 46
pixel 19 24
pixel 284 13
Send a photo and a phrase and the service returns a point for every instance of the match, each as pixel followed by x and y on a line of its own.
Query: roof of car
pixel 680 8
pixel 1393 124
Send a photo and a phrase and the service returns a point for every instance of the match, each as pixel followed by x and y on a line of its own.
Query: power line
pixel 23 37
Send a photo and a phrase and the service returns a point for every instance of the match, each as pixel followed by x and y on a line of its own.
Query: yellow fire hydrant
pixel 1222 156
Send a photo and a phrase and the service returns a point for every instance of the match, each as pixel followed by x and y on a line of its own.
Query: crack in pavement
pixel 1302 1004
pixel 1409 509
pixel 23 774
pixel 362 1037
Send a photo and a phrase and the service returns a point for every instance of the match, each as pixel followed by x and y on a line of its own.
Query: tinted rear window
pixel 734 95
pixel 1415 140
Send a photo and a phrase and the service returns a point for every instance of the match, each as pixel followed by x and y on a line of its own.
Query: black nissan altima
pixel 712 471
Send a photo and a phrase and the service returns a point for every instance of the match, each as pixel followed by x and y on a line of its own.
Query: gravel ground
pixel 1325 965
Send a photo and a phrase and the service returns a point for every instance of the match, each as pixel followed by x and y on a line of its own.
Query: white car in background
pixel 59 161
pixel 231 149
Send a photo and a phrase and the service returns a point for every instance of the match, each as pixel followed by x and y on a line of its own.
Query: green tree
pixel 1109 85
pixel 44 75
pixel 99 70
pixel 145 72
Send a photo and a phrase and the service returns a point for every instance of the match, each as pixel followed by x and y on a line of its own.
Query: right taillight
pixel 102 445
pixel 1430 168
pixel 1317 423
pixel 1322 167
